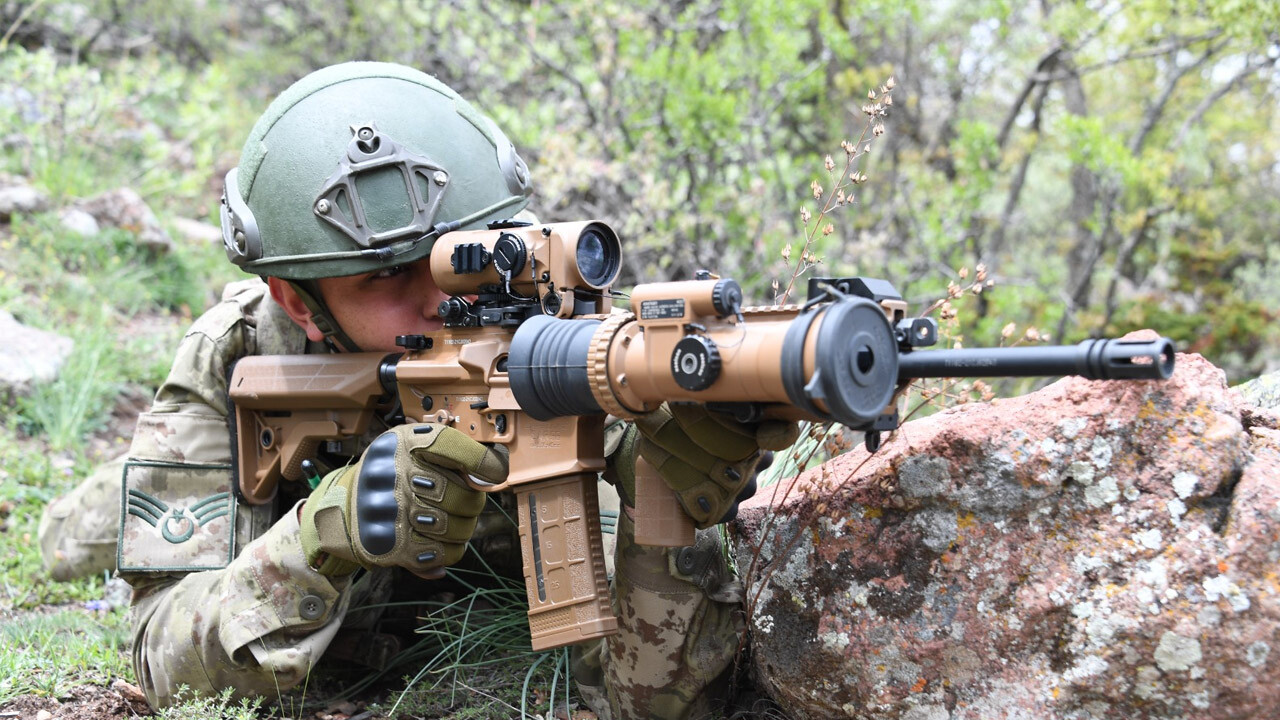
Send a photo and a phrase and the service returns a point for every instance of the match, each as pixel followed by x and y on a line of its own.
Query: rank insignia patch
pixel 178 524
pixel 176 517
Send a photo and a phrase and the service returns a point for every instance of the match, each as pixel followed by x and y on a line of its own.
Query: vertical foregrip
pixel 564 566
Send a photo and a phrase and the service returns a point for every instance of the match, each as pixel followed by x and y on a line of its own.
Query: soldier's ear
pixel 294 306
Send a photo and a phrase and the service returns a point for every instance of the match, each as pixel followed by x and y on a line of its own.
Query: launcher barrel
pixel 1092 359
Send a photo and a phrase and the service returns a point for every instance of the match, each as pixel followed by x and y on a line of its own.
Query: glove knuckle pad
pixel 377 508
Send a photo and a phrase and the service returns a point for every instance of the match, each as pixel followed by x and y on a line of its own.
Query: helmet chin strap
pixel 334 337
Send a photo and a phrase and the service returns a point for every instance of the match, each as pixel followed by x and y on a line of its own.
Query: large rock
pixel 1263 392
pixel 196 232
pixel 28 356
pixel 19 198
pixel 124 208
pixel 79 222
pixel 1090 550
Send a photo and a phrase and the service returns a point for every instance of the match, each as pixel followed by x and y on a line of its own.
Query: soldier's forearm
pixel 258 625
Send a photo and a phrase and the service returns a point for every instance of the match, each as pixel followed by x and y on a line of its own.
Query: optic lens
pixel 598 255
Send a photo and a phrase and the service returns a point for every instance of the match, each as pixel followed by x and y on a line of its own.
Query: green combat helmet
pixel 359 167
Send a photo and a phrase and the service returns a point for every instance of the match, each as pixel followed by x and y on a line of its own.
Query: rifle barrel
pixel 1102 359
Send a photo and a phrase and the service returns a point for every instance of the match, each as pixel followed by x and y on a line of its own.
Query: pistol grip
pixel 564 567
pixel 660 520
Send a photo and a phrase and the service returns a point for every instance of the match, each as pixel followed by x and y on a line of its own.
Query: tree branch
pixel 1019 180
pixel 1212 99
pixel 1153 113
pixel 1042 65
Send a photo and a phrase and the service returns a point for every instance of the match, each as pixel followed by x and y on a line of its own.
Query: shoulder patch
pixel 176 517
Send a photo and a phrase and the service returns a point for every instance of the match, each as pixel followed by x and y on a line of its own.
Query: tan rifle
pixel 533 357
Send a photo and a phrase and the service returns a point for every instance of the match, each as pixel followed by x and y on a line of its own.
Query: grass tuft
pixel 189 705
pixel 47 655
pixel 478 648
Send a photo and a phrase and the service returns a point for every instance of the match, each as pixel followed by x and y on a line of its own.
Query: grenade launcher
pixel 533 357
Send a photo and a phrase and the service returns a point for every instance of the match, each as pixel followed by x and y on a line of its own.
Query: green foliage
pixel 59 267
pixel 48 655
pixel 71 406
pixel 694 128
pixel 190 706
pixel 132 123
pixel 29 479
pixel 91 291
pixel 1147 171
pixel 479 640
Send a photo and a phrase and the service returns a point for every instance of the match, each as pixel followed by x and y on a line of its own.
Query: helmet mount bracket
pixel 374 156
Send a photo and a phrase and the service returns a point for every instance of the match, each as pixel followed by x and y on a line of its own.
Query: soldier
pixel 339 187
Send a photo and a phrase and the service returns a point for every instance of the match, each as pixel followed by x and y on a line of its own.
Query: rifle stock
pixel 536 367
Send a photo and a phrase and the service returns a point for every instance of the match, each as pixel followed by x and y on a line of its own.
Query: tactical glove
pixel 709 459
pixel 406 503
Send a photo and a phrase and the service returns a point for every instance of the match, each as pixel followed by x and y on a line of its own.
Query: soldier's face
pixel 376 307
pixel 373 308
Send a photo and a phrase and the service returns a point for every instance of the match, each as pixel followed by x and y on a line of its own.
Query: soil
pixel 87 702
pixel 123 700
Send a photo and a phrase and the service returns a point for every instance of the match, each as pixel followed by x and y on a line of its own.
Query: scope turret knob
pixel 453 309
pixel 509 254
pixel 551 303
pixel 726 298
pixel 695 362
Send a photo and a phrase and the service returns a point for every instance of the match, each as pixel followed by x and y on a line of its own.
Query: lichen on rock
pixel 1089 550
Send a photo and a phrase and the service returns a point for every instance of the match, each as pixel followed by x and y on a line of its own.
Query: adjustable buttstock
pixel 286 405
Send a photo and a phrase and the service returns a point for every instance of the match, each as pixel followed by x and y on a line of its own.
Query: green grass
pixel 126 308
pixel 190 706
pixel 49 654
pixel 74 404
pixel 475 659
pixel 30 478
pixel 123 307
pixel 54 269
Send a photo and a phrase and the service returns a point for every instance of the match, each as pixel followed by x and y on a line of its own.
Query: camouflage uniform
pixel 78 531
pixel 223 596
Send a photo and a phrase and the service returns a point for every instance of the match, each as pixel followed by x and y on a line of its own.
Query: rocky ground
pixel 1089 550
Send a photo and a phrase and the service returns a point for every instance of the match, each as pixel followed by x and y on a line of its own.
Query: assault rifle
pixel 532 356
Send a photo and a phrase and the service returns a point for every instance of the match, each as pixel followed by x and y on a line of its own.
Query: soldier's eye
pixel 390 272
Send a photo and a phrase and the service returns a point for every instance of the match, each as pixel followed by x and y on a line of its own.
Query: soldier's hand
pixel 406 503
pixel 708 458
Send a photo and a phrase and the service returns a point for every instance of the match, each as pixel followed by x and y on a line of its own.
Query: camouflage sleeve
pixel 178 511
pixel 259 625
pixel 77 532
pixel 679 624
pixel 222 598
